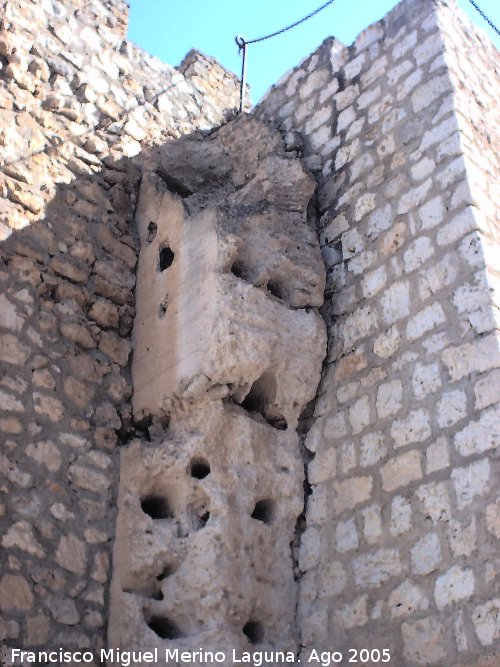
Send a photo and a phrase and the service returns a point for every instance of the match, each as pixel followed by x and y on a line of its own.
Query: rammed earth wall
pixel 396 545
pixel 400 549
pixel 228 350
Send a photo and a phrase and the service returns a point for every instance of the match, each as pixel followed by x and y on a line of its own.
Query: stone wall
pixel 78 105
pixel 400 550
pixel 394 544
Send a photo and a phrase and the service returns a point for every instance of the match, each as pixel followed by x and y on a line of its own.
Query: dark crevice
pixel 167 571
pixel 134 429
pixel 173 184
pixel 238 270
pixel 275 289
pixel 204 518
pixel 260 399
pixel 144 423
pixel 165 258
pixel 199 468
pixel 158 595
pixel 254 632
pixel 162 309
pixel 152 230
pixel 306 418
pixel 253 402
pixel 305 422
pixel 136 188
pixel 148 595
pixel 275 422
pixel 198 517
pixel 264 511
pixel 164 627
pixel 272 287
pixel 156 506
pixel 139 429
pixel 124 435
pixel 341 80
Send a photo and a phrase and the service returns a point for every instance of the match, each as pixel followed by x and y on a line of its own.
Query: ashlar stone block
pixel 373 569
pixel 424 641
pixel 401 470
pixel 426 554
pixel 456 584
pixel 486 618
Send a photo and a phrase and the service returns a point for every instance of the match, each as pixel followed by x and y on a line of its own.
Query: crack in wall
pixel 306 420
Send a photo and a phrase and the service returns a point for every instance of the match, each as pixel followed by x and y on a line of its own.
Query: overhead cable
pixel 488 20
pixel 242 44
pixel 292 25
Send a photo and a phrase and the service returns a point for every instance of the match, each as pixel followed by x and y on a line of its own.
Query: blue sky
pixel 170 28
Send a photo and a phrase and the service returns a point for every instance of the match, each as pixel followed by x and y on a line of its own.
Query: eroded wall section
pixel 228 348
pixel 401 546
